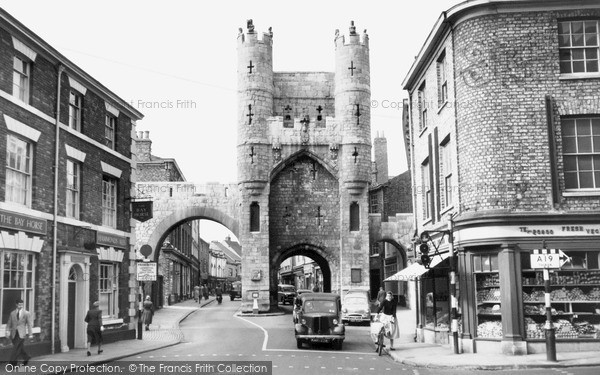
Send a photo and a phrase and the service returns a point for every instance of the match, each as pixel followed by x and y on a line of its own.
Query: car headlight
pixel 303 321
pixel 344 310
pixel 335 321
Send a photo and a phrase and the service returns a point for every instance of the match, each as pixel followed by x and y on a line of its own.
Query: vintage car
pixel 319 320
pixel 236 290
pixel 356 306
pixel 286 293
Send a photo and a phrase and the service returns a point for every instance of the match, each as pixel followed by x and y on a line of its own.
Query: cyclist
pixel 388 318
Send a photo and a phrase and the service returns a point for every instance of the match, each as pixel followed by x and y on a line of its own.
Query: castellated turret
pixel 352 107
pixel 255 105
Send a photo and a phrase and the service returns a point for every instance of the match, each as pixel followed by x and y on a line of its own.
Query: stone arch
pixel 316 253
pixel 401 290
pixel 297 155
pixel 398 247
pixel 163 228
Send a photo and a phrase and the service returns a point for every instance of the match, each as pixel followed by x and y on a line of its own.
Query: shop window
pixel 574 297
pixel 487 284
pixel 18 272
pixel 437 301
pixel 254 217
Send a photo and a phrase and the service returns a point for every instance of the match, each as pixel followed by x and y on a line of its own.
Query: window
pixel 73 187
pixel 109 285
pixel 356 275
pixel 254 217
pixel 18 171
pixel 374 203
pixel 18 270
pixel 578 46
pixel 21 74
pixel 581 152
pixel 354 217
pixel 442 81
pixel 109 202
pixel 446 164
pixel 426 190
pixel 422 107
pixel 75 110
pixel 110 123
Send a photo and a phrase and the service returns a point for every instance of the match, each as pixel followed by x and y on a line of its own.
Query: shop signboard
pixel 548 258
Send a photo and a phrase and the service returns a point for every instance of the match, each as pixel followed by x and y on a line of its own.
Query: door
pixel 71 314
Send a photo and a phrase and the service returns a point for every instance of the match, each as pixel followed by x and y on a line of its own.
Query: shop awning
pixel 416 270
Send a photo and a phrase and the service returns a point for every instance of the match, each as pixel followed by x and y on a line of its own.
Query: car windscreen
pixel 320 307
pixel 355 301
pixel 287 289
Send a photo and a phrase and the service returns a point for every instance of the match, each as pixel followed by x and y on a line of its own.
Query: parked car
pixel 319 320
pixel 286 293
pixel 236 290
pixel 356 306
pixel 297 303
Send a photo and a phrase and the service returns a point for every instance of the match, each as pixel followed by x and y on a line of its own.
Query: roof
pixel 453 15
pixel 229 253
pixel 39 45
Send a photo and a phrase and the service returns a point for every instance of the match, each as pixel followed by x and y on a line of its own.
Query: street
pixel 214 333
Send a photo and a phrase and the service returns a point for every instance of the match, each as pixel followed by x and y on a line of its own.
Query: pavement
pixel 165 332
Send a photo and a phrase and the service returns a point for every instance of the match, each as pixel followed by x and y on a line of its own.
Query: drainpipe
pixel 61 69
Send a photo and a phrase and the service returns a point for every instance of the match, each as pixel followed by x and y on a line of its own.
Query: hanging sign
pixel 141 211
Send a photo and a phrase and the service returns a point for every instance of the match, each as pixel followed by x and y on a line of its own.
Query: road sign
pixel 146 271
pixel 548 258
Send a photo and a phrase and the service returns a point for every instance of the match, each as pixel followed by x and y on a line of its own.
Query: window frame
pixel 446 174
pixel 108 284
pixel 254 221
pixel 594 155
pixel 27 293
pixel 427 194
pixel 422 107
pixel 109 211
pixel 354 217
pixel 442 79
pixel 75 110
pixel 28 173
pixel 570 48
pixel 22 90
pixel 110 130
pixel 73 189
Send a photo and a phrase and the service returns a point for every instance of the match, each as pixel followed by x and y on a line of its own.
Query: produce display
pixel 571 278
pixel 563 294
pixel 490 329
pixel 488 295
pixel 489 280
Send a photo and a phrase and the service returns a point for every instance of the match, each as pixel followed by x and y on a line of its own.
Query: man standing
pixel 380 296
pixel 18 323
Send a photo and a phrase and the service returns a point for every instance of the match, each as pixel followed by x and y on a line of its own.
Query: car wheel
pixel 231 298
pixel 299 343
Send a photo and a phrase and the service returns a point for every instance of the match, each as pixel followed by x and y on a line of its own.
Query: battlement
pixel 251 36
pixel 353 38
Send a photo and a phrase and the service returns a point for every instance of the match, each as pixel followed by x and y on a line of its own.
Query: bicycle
pixel 379 344
pixel 378 330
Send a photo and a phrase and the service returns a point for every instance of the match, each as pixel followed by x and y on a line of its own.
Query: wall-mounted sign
pixel 146 271
pixel 548 258
pixel 141 211
pixel 256 275
pixel 24 223
pixel 105 239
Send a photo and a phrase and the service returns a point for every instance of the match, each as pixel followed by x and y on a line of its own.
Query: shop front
pixel 502 304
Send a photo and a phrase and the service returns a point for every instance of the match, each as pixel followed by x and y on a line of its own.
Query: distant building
pixel 64 195
pixel 225 263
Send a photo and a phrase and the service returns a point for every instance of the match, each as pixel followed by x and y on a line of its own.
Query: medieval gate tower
pixel 304 159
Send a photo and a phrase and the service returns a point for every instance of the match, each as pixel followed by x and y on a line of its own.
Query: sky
pixel 176 61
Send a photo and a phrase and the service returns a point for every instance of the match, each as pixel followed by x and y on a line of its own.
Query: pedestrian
pixel 380 296
pixel 205 291
pixel 148 313
pixel 18 323
pixel 197 293
pixel 388 318
pixel 94 328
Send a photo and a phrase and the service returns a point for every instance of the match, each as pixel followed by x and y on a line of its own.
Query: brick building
pixel 72 226
pixel 505 135
pixel 183 261
pixel 304 159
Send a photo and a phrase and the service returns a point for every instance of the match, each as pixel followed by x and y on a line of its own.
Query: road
pixel 214 333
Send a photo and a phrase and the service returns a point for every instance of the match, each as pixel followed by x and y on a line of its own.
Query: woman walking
pixel 94 328
pixel 148 313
